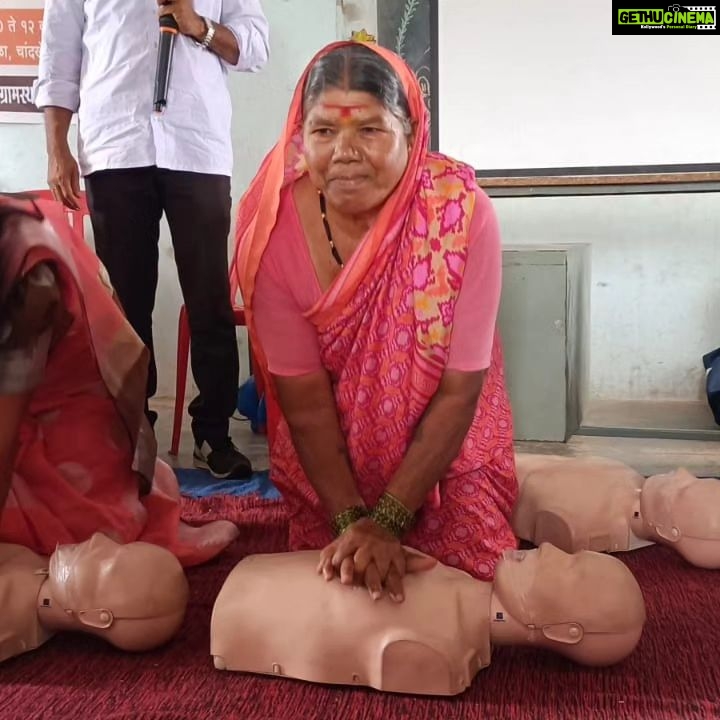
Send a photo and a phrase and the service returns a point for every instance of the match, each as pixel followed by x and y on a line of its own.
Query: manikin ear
pixel 671 534
pixel 99 619
pixel 566 633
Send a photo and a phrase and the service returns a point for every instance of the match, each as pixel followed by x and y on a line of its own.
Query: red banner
pixel 20 31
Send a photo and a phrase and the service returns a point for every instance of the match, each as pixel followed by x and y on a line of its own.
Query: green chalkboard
pixel 409 28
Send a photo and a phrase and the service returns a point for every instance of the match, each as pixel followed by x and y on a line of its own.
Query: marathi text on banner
pixel 20 33
pixel 16 95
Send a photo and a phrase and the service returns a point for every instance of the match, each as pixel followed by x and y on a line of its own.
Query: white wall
pixel 546 84
pixel 526 84
pixel 655 298
pixel 298 29
pixel 356 15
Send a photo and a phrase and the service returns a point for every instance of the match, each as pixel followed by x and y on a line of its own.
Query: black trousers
pixel 125 210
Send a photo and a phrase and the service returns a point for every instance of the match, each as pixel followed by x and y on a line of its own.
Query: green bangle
pixel 343 520
pixel 392 515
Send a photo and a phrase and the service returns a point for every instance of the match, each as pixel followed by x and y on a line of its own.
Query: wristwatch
pixel 209 35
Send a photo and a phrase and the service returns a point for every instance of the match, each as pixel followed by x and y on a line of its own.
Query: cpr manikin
pixel 603 505
pixel 133 596
pixel 276 615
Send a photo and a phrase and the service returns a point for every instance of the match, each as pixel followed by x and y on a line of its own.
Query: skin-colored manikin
pixel 22 574
pixel 599 504
pixel 133 596
pixel 275 614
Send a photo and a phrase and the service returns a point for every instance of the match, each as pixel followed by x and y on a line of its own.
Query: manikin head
pixel 134 596
pixel 683 511
pixel 586 606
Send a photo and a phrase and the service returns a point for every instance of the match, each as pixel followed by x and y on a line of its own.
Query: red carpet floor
pixel 674 673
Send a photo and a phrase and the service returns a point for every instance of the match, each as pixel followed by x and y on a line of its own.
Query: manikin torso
pixel 22 574
pixel 276 615
pixel 603 505
pixel 576 503
pixel 332 633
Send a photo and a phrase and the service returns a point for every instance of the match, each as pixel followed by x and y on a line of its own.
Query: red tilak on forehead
pixel 345 110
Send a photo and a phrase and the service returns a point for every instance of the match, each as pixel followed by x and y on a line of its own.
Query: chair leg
pixel 183 353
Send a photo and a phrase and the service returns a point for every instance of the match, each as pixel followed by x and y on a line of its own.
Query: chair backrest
pixel 76 218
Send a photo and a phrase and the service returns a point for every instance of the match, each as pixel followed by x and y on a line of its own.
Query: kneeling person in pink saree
pixel 77 455
pixel 371 272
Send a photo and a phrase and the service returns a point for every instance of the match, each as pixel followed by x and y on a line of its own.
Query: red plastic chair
pixel 183 354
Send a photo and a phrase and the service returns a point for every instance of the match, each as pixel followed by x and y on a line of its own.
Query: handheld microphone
pixel 168 31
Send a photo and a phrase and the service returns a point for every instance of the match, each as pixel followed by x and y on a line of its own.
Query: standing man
pixel 98 59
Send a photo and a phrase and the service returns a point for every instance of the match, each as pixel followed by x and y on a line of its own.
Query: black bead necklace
pixel 328 232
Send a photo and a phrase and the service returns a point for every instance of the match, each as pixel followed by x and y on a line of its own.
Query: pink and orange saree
pixel 86 460
pixel 384 329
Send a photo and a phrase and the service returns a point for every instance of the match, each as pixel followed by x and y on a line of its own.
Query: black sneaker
pixel 224 462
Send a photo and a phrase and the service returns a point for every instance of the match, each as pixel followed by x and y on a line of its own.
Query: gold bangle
pixel 391 514
pixel 344 519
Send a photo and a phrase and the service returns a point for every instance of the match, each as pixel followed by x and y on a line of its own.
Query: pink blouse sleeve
pixel 289 340
pixel 478 301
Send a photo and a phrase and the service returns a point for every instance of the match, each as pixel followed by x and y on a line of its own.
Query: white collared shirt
pixel 98 59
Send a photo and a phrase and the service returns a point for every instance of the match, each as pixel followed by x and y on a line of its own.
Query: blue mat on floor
pixel 199 484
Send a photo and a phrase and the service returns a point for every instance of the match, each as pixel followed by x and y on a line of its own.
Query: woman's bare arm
pixel 438 437
pixel 308 404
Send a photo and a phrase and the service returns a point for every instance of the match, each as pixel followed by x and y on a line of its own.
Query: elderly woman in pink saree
pixel 371 270
pixel 76 453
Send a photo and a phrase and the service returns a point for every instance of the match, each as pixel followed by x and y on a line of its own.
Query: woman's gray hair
pixel 358 68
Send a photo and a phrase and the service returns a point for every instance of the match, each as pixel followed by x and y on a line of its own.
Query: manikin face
pixel 356 150
pixel 521 572
pixel 677 505
pixel 568 596
pixel 137 591
pixel 86 557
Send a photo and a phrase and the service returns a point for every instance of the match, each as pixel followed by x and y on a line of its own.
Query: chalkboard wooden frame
pixel 601 180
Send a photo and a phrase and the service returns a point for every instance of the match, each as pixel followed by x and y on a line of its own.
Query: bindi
pixel 345 110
